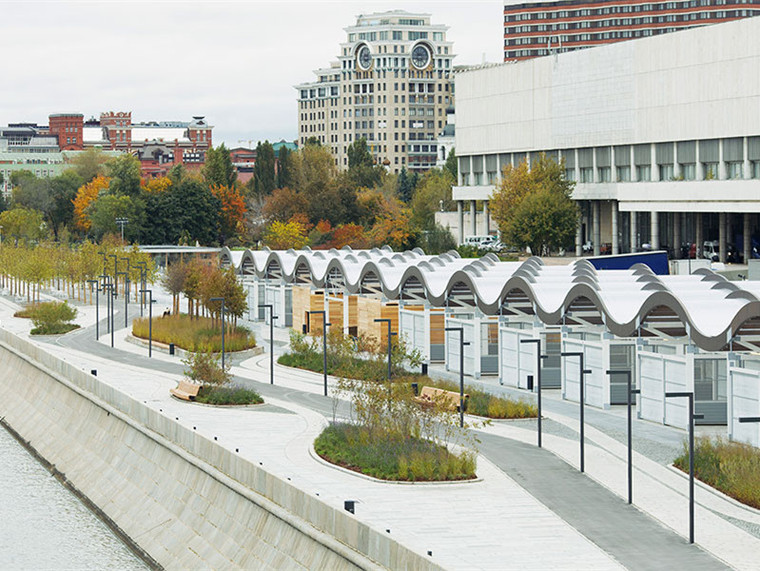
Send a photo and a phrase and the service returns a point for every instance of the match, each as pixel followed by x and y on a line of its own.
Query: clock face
pixel 364 58
pixel 420 56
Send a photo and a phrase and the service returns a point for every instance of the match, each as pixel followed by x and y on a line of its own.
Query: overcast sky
pixel 234 62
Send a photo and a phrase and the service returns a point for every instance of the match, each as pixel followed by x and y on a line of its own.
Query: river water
pixel 44 526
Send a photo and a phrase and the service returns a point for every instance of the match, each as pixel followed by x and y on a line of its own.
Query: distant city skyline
pixel 234 63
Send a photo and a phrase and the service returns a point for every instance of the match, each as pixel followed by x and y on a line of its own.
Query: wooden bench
pixel 446 399
pixel 186 391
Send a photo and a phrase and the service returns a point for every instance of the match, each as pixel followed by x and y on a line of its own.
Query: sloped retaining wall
pixel 184 500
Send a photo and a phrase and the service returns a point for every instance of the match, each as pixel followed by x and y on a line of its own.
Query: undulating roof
pixel 714 313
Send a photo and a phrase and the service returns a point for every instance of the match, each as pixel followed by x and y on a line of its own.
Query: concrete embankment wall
pixel 184 500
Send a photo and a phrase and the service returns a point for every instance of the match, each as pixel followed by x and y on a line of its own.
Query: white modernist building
pixel 661 135
pixel 697 333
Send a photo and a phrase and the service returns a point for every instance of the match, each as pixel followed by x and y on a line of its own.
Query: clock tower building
pixel 391 86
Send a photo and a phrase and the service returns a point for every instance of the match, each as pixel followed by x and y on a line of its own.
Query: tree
pixel 404 186
pixel 124 171
pixel 451 164
pixel 89 164
pixel 533 206
pixel 63 190
pixel 218 170
pixel 434 189
pixel 23 224
pixel 233 211
pixel 174 282
pixel 285 235
pixel 104 212
pixel 263 169
pixel 86 195
pixel 195 211
pixel 284 167
pixel 361 165
pixel 283 204
pixel 315 178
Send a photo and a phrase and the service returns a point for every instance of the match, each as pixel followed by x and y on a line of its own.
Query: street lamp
pixel 115 273
pixel 109 296
pixel 105 279
pixel 272 317
pixel 143 274
pixel 325 325
pixel 631 392
pixel 461 371
pixel 97 306
pixel 150 319
pixel 122 222
pixel 126 295
pixel 539 356
pixel 222 300
pixel 128 281
pixel 102 253
pixel 582 382
pixel 390 346
pixel 692 418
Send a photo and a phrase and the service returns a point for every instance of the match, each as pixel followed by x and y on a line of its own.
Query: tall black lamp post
pixel 390 345
pixel 582 381
pixel 126 295
pixel 539 356
pixel 97 306
pixel 692 417
pixel 461 371
pixel 223 327
pixel 109 297
pixel 272 317
pixel 631 392
pixel 325 325
pixel 115 274
pixel 150 320
pixel 143 274
pixel 129 279
pixel 102 253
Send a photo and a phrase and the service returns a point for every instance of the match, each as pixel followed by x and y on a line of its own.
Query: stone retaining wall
pixel 186 501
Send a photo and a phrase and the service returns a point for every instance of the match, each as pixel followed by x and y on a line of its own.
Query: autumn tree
pixel 285 235
pixel 85 197
pixel 433 191
pixel 233 211
pixel 283 204
pixel 89 164
pixel 533 206
pixel 23 224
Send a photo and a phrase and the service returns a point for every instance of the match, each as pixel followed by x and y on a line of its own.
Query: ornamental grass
pixel 194 334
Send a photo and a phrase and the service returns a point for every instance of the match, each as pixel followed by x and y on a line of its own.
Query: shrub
pixel 228 396
pixel 205 368
pixel 51 317
pixel 731 467
pixel 199 334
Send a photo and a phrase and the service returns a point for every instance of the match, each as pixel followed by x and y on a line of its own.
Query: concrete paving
pixel 530 509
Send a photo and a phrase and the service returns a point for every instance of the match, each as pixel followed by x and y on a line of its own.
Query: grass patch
pixel 482 403
pixel 197 334
pixel 392 458
pixel 731 467
pixel 54 329
pixel 227 396
pixel 27 312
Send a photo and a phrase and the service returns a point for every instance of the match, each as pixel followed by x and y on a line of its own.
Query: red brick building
pixel 68 127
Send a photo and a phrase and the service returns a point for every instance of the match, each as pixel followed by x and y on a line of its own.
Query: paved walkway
pixel 531 509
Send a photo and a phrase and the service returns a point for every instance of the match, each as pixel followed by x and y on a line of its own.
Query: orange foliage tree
pixel 233 208
pixel 155 185
pixel 352 235
pixel 85 197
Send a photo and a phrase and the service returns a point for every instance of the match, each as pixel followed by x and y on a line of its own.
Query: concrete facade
pixel 661 135
pixel 184 500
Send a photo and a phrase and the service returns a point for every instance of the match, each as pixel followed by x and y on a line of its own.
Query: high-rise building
pixel 391 85
pixel 533 29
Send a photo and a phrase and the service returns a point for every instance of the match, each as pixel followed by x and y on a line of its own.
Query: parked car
pixel 488 242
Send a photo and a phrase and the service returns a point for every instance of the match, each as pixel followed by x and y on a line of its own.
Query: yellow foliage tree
pixel 86 195
pixel 284 235
pixel 156 185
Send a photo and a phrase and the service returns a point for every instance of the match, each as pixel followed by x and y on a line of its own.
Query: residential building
pixel 535 28
pixel 391 85
pixel 661 135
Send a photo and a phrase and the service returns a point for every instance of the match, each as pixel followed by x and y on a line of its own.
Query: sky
pixel 233 62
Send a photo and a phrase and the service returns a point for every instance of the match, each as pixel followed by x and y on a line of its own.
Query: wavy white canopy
pixel 704 305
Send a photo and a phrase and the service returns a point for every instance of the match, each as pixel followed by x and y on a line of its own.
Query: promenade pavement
pixel 529 510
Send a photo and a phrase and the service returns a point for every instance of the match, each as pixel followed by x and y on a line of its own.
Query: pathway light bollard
pixel 97 304
pixel 631 392
pixel 223 327
pixel 582 382
pixel 692 417
pixel 462 345
pixel 325 325
pixel 150 320
pixel 539 356
pixel 272 317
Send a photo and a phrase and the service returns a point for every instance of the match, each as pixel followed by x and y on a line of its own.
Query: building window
pixel 755 169
pixel 587 174
pixel 666 172
pixel 624 174
pixel 710 170
pixel 688 171
pixel 643 173
pixel 735 170
pixel 604 174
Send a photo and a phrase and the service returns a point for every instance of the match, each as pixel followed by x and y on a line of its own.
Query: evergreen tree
pixel 404 187
pixel 361 166
pixel 263 169
pixel 284 167
pixel 451 164
pixel 218 169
